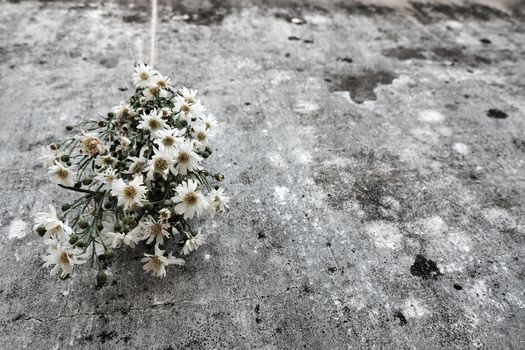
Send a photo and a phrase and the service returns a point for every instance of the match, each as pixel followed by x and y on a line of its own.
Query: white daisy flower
pixel 61 175
pixel 116 239
pixel 129 194
pixel 210 124
pixel 48 156
pixel 123 110
pixel 55 228
pixel 151 92
pixel 151 230
pixel 106 161
pixel 217 200
pixel 143 76
pixel 152 122
pixel 189 95
pixel 200 134
pixel 63 257
pixel 164 214
pixel 139 163
pixel 91 145
pixel 190 201
pixel 106 178
pixel 157 263
pixel 186 160
pixel 161 82
pixel 193 243
pixel 187 111
pixel 161 163
pixel 124 143
pixel 166 112
pixel 169 139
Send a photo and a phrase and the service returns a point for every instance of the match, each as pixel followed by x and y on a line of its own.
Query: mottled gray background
pixel 375 156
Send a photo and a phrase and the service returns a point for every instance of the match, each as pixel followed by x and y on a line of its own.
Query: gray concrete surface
pixel 376 160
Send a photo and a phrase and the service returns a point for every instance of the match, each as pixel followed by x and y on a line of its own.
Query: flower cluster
pixel 139 171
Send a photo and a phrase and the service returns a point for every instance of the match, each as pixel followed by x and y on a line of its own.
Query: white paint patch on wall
pixel 301 156
pixel 17 229
pixel 431 116
pixel 460 148
pixel 453 25
pixel 434 226
pixel 281 194
pixel 306 107
pixel 385 235
pixel 414 308
pixel 460 241
pixel 499 218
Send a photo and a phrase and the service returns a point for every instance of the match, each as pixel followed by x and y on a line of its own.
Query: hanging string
pixel 152 33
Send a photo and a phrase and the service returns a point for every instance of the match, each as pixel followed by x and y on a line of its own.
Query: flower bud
pixel 73 239
pixel 80 243
pixel 83 224
pixel 101 123
pixel 87 181
pixel 117 227
pixel 148 206
pixel 110 254
pixel 64 158
pixel 218 177
pixel 111 115
pixel 205 155
pixel 102 278
pixel 78 185
pixel 69 127
pixel 66 206
pixel 53 147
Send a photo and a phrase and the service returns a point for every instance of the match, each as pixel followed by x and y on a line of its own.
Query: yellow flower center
pixel 160 164
pixel 156 230
pixel 154 90
pixel 64 258
pixel 183 157
pixel 168 141
pixel 62 173
pixel 137 167
pixel 191 198
pixel 156 262
pixel 185 108
pixel 130 192
pixel 92 144
pixel 153 124
pixel 201 136
pixel 144 76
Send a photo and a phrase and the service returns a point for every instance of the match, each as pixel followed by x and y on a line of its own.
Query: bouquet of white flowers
pixel 140 176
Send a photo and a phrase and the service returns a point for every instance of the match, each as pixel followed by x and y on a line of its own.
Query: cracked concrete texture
pixel 376 161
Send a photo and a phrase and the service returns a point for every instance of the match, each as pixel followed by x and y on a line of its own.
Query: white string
pixel 152 32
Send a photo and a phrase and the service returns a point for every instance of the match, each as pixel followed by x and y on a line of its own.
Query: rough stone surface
pixel 376 159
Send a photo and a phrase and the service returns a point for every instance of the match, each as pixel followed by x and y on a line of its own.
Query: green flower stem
pixel 80 190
